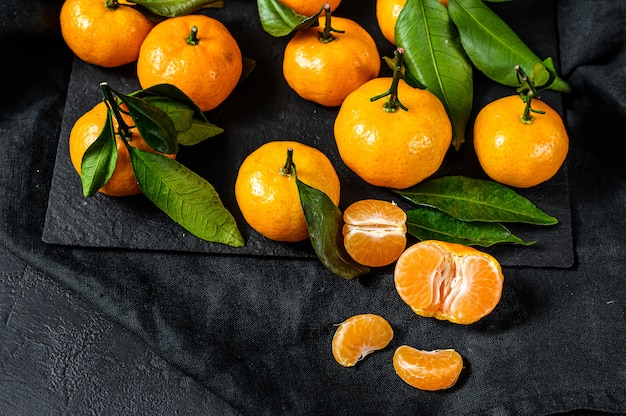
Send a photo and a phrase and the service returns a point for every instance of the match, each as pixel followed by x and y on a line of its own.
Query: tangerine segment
pixel 359 336
pixel 448 281
pixel 374 232
pixel 427 370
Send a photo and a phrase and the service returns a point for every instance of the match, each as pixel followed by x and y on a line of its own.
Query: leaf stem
pixel 326 36
pixel 192 38
pixel 123 128
pixel 289 167
pixel 527 95
pixel 393 103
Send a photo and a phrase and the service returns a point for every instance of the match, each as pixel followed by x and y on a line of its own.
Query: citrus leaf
pixel 470 199
pixel 434 56
pixel 173 8
pixel 173 93
pixel 493 47
pixel 99 159
pixel 154 125
pixel 280 20
pixel 426 223
pixel 185 197
pixel 324 220
pixel 190 129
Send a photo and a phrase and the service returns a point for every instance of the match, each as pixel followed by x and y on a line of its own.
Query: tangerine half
pixel 358 336
pixel 427 370
pixel 374 232
pixel 448 281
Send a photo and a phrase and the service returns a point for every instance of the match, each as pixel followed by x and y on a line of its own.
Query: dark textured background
pixel 99 331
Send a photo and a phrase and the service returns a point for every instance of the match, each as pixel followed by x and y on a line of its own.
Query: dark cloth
pixel 256 331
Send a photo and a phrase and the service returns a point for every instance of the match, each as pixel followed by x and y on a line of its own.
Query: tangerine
pixel 374 232
pixel 195 53
pixel 310 7
pixel 107 33
pixel 427 370
pixel 392 144
pixel 358 336
pixel 87 129
pixel 387 13
pixel 516 148
pixel 448 281
pixel 266 190
pixel 324 67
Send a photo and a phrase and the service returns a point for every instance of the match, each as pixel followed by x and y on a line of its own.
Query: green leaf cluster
pixel 165 117
pixel 173 8
pixel 279 20
pixel 442 45
pixel 469 211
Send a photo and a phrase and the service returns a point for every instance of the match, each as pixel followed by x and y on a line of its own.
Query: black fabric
pixel 256 331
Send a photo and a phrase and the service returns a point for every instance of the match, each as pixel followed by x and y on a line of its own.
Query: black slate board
pixel 262 109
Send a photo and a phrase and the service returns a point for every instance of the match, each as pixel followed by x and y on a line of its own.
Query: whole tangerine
pixel 392 144
pixel 107 33
pixel 310 7
pixel 267 193
pixel 87 129
pixel 517 148
pixel 195 53
pixel 325 66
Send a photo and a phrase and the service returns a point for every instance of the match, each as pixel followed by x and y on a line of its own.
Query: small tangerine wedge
pixel 448 281
pixel 427 370
pixel 358 336
pixel 374 232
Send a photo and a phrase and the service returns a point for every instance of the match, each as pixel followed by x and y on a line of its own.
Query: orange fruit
pixel 310 7
pixel 197 54
pixel 107 33
pixel 387 13
pixel 267 193
pixel 374 232
pixel 325 67
pixel 448 281
pixel 358 336
pixel 517 153
pixel 87 129
pixel 428 370
pixel 395 149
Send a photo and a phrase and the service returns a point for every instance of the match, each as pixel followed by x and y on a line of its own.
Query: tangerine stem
pixel 326 36
pixel 122 128
pixel 392 104
pixel 527 97
pixel 111 4
pixel 289 167
pixel 192 38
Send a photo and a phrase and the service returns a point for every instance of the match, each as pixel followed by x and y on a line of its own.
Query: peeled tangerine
pixel 374 232
pixel 448 281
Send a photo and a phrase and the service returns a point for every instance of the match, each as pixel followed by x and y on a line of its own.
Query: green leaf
pixel 173 8
pixel 185 197
pixel 494 48
pixel 154 125
pixel 434 56
pixel 324 220
pixel 190 129
pixel 280 20
pixel 99 159
pixel 469 199
pixel 426 223
pixel 173 93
